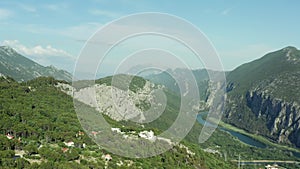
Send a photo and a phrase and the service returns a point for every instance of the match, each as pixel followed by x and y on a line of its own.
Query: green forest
pixel 40 119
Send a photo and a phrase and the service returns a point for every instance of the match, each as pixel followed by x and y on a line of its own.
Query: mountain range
pixel 261 99
pixel 21 68
pixel 262 94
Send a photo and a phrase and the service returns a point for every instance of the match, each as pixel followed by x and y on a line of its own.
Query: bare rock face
pixel 116 103
pixel 282 118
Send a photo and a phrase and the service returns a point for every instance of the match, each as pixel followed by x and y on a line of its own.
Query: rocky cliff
pixel 263 96
pixel 282 118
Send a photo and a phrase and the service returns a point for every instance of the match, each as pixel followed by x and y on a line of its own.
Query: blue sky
pixel 53 32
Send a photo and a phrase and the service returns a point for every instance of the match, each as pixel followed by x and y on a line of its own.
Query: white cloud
pixel 47 55
pixel 104 13
pixel 5 14
pixel 36 50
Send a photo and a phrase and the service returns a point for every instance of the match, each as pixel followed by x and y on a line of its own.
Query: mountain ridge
pixel 40 92
pixel 22 68
pixel 264 93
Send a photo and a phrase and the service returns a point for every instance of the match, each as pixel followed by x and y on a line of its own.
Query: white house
pixel 118 130
pixel 69 144
pixel 9 136
pixel 149 135
pixel 275 166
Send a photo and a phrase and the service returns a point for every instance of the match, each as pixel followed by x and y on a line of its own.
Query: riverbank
pixel 246 137
pixel 257 137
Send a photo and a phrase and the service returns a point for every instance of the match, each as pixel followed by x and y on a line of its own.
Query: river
pixel 243 138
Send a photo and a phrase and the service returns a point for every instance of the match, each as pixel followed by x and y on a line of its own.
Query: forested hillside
pixel 39 129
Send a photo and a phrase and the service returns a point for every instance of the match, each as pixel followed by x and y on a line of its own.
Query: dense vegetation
pixel 122 81
pixel 40 118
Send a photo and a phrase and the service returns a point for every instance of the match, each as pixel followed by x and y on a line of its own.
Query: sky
pixel 54 32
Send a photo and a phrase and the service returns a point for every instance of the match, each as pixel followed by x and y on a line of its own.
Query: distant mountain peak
pixel 290 48
pixel 292 53
pixel 6 47
pixel 8 50
pixel 20 68
pixel 52 67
